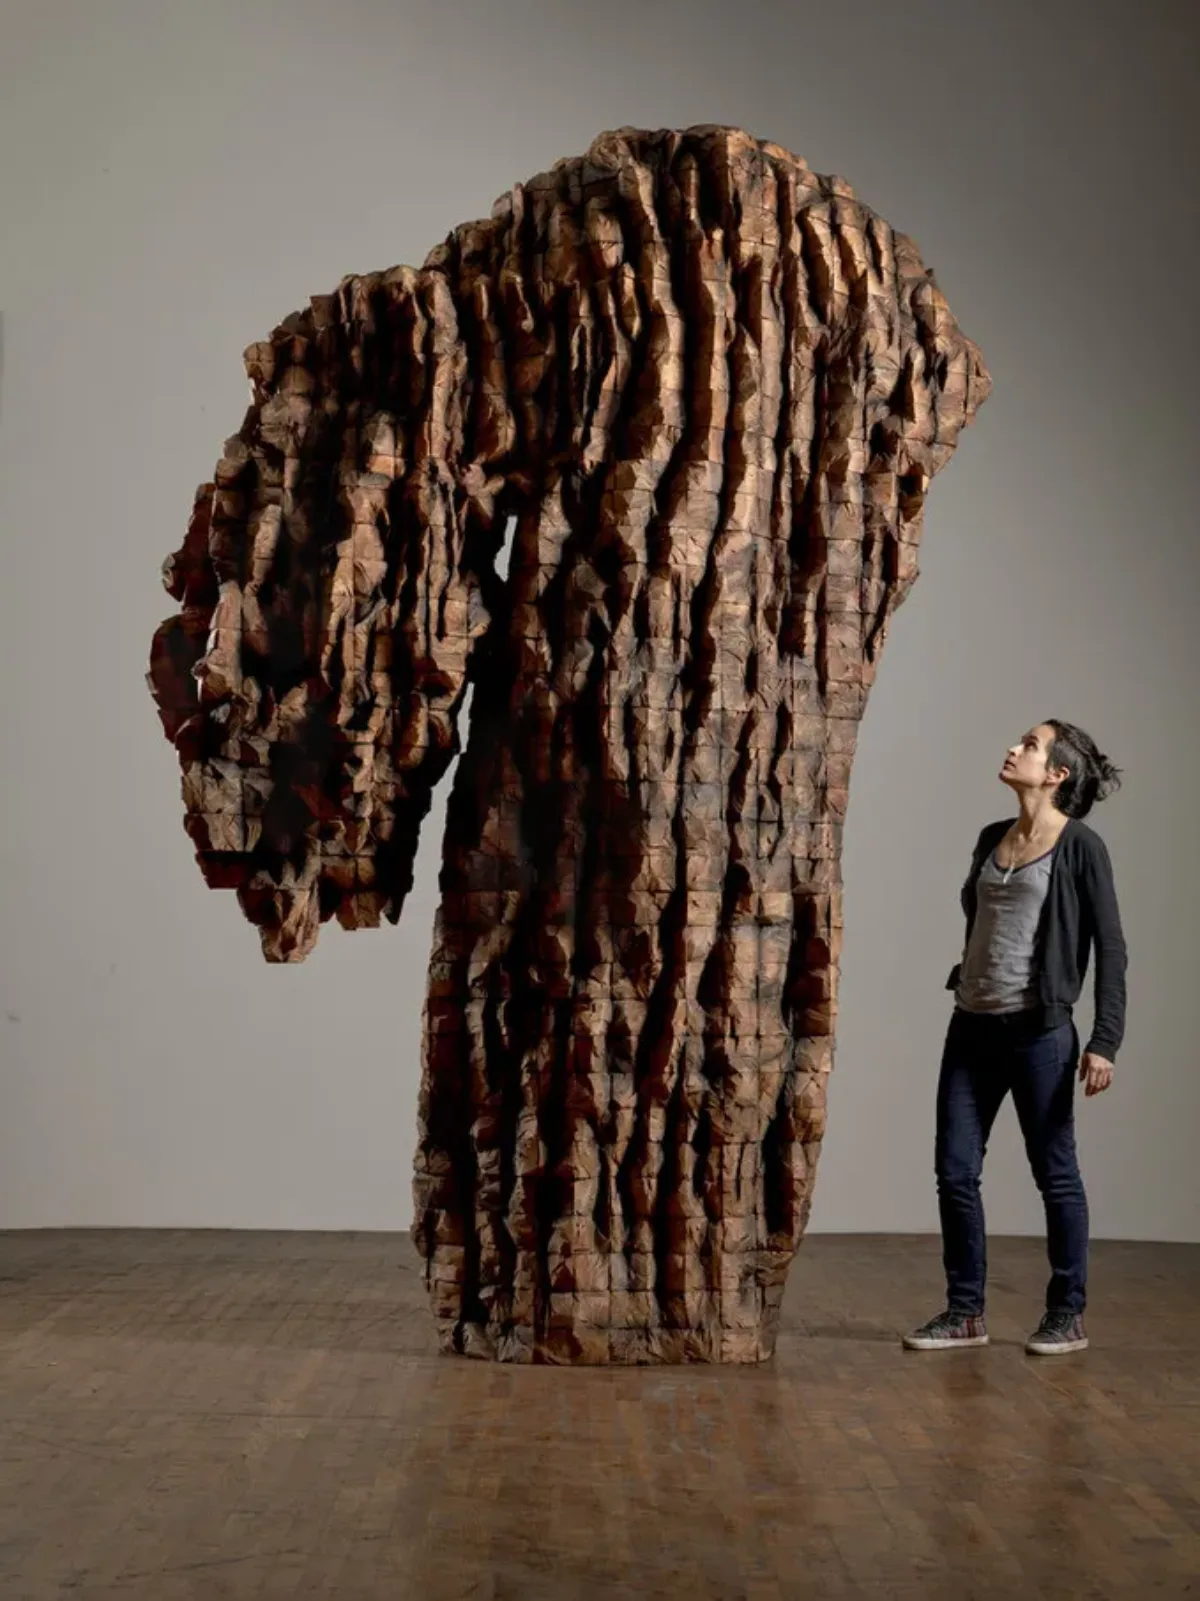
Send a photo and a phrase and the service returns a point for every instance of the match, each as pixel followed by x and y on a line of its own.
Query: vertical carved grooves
pixel 712 388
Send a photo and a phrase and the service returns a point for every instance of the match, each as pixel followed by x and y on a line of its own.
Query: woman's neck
pixel 1039 816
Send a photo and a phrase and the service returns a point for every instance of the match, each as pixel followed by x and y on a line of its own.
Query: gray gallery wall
pixel 175 178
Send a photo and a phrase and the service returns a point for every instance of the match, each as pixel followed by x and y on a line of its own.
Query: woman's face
pixel 1026 767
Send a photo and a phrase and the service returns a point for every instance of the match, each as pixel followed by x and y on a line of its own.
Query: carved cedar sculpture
pixel 711 388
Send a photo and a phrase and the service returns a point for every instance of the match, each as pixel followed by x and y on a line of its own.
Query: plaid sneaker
pixel 1058 1332
pixel 946 1330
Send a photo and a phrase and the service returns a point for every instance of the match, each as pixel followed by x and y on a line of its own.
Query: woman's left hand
pixel 1097 1070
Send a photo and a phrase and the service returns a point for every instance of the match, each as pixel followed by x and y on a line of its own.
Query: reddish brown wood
pixel 712 388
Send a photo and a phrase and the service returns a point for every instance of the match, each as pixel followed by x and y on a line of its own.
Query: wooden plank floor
pixel 200 1414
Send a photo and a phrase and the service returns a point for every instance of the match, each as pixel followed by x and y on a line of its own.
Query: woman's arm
pixel 1111 960
pixel 988 836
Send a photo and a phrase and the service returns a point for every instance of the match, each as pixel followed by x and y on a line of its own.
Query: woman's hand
pixel 1097 1070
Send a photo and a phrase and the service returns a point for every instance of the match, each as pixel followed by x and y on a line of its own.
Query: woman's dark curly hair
pixel 1092 776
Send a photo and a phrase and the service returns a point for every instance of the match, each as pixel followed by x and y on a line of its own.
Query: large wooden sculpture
pixel 712 388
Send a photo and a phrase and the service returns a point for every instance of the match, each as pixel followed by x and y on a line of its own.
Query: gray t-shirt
pixel 998 972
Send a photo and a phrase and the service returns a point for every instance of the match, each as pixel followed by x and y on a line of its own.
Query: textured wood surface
pixel 191 1416
pixel 711 388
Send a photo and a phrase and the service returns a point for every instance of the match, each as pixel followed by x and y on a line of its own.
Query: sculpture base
pixel 582 1345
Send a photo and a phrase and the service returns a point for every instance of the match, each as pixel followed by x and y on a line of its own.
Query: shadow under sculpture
pixel 711 387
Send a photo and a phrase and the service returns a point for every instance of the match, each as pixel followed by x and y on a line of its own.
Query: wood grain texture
pixel 187 1416
pixel 711 389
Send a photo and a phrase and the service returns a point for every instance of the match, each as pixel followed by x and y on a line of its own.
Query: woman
pixel 1038 896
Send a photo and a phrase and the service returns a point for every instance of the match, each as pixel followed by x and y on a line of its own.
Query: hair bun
pixel 1109 778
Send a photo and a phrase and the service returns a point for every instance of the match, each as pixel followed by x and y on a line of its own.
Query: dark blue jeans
pixel 984 1058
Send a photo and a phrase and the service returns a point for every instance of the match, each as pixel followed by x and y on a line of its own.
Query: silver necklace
pixel 1012 866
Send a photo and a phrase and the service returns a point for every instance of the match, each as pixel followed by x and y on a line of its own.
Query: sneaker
pixel 1058 1332
pixel 946 1330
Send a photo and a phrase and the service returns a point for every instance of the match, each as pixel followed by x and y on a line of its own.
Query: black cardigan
pixel 1080 910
